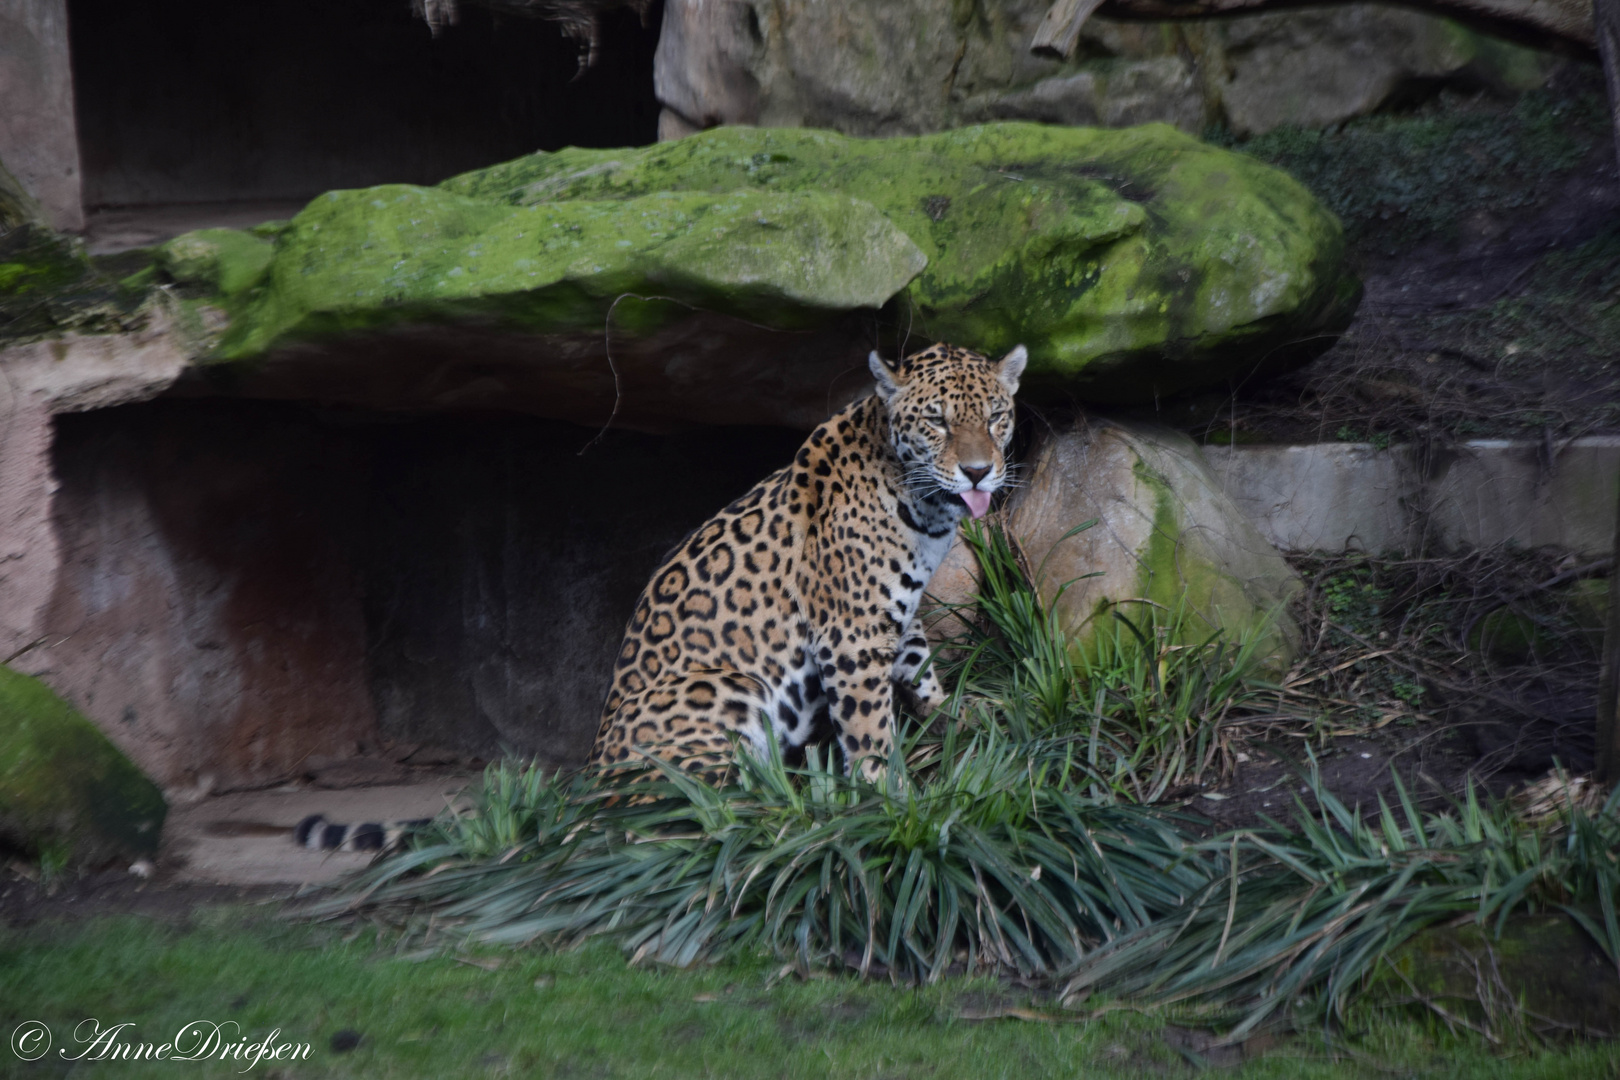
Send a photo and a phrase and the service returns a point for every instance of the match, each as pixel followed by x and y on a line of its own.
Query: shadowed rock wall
pixel 908 66
pixel 501 565
pixel 206 614
pixel 244 586
pixel 195 101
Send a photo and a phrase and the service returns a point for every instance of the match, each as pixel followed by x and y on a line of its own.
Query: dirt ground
pixel 1487 236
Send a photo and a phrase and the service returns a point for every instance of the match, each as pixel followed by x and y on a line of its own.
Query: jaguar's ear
pixel 888 379
pixel 1011 367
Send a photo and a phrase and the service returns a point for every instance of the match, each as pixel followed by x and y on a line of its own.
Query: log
pixel 1606 24
pixel 1562 25
pixel 1608 699
pixel 1059 33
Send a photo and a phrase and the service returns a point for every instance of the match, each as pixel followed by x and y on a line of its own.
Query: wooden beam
pixel 1565 25
pixel 1607 769
pixel 1606 23
pixel 1059 33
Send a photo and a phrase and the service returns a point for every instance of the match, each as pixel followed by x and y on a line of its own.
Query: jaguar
pixel 791 615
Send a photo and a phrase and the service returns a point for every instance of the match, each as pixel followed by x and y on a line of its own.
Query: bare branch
pixel 1562 25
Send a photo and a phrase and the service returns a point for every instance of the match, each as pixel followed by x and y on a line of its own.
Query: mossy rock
pixel 1169 550
pixel 1132 262
pixel 66 792
pixel 223 261
pixel 1545 965
pixel 1545 625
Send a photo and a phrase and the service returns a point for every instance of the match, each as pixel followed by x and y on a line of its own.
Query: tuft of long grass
pixel 1150 702
pixel 995 861
pixel 1311 907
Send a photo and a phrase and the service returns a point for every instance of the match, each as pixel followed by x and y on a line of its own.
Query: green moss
pixel 63 786
pixel 224 261
pixel 17 207
pixel 48 285
pixel 1545 626
pixel 1129 261
pixel 360 260
pixel 35 262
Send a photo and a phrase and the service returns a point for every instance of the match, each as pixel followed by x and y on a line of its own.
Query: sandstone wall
pixel 913 66
pixel 233 590
pixel 38 137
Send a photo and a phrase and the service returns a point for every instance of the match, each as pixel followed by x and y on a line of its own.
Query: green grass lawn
pixel 587 1013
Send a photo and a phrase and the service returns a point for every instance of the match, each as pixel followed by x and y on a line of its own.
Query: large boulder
pixel 1168 546
pixel 905 67
pixel 65 790
pixel 659 281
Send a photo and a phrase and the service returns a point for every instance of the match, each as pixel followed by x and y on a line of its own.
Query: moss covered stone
pixel 224 261
pixel 1168 547
pixel 1171 546
pixel 1131 262
pixel 1544 965
pixel 65 791
pixel 356 260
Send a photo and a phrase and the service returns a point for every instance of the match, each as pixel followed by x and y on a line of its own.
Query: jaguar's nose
pixel 975 473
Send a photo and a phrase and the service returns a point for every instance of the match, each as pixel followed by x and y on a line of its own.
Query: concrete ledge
pixel 1334 496
pixel 246 838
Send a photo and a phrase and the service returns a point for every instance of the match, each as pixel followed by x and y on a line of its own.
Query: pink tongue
pixel 977 501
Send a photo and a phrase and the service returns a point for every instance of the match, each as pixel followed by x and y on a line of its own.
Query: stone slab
pixel 1480 493
pixel 246 838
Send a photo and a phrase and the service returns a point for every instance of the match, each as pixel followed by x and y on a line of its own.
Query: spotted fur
pixel 791 614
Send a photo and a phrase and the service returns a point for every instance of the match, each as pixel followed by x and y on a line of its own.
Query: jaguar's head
pixel 950 417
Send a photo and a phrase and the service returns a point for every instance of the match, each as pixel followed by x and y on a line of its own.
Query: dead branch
pixel 1562 25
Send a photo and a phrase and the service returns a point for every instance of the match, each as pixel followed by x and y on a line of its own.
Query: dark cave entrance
pixel 194 112
pixel 250 583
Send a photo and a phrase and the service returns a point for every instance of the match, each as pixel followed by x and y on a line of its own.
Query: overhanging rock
pixel 739 276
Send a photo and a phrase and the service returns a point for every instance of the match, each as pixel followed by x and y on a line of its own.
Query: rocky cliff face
pixel 910 66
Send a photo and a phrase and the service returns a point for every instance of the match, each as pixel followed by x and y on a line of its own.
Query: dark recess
pixel 195 101
pixel 491 565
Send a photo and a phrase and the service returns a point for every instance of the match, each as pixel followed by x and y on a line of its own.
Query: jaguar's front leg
pixel 914 673
pixel 860 696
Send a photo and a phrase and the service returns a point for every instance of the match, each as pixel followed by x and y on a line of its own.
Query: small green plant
pixel 1356 602
pixel 53 864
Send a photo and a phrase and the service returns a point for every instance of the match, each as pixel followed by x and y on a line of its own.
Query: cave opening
pixel 246 584
pixel 193 113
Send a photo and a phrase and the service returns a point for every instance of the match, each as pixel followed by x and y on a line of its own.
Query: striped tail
pixel 319 834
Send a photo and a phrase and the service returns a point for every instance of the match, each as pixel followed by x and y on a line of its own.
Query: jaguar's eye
pixel 997 417
pixel 934 419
